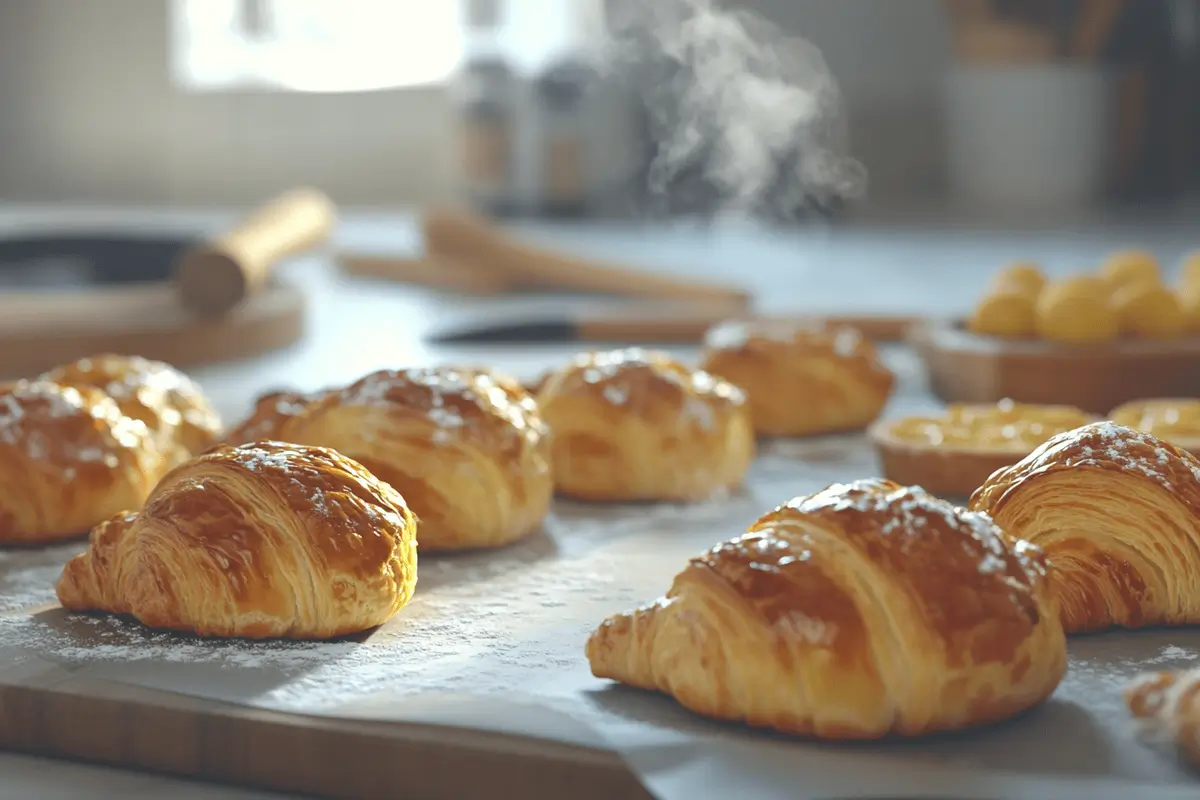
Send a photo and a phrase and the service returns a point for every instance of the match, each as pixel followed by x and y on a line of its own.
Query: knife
pixel 648 326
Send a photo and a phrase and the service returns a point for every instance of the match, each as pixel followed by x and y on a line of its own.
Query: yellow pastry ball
pixel 1189 278
pixel 1076 311
pixel 1005 313
pixel 1023 276
pixel 1189 308
pixel 1149 310
pixel 1130 266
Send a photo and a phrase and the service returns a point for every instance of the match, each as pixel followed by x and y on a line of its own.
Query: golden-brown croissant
pixel 863 610
pixel 171 405
pixel 1168 704
pixel 801 379
pixel 465 447
pixel 263 540
pixel 68 460
pixel 635 424
pixel 271 412
pixel 1117 513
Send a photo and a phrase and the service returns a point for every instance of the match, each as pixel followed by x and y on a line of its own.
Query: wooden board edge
pixel 159 732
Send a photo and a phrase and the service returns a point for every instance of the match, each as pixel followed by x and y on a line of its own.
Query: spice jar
pixel 486 134
pixel 562 91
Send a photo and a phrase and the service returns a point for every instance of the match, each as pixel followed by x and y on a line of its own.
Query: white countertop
pixel 356 327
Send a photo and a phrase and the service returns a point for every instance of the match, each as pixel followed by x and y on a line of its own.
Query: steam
pixel 745 120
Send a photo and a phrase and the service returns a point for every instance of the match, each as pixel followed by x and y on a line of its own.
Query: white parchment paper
pixel 495 641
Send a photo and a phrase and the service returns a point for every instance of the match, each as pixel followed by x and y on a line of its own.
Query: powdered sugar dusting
pixel 455 400
pixel 517 619
pixel 1100 442
pixel 67 426
pixel 909 511
pixel 624 377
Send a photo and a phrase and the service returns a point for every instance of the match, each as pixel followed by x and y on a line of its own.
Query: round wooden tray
pixel 966 368
pixel 42 329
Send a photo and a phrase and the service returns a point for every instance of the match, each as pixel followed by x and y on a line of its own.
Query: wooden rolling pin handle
pixel 469 239
pixel 215 277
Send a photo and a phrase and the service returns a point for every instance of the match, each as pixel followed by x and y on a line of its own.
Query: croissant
pixel 68 460
pixel 1117 513
pixel 171 405
pixel 264 540
pixel 465 447
pixel 863 610
pixel 1168 705
pixel 635 425
pixel 800 379
pixel 271 412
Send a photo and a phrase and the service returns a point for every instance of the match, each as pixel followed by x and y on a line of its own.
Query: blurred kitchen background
pixel 986 111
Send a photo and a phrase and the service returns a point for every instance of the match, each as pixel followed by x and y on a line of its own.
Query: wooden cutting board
pixel 40 329
pixel 59 715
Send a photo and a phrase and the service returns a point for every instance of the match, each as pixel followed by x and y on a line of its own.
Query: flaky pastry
pixel 864 610
pixel 955 452
pixel 68 460
pixel 171 404
pixel 1174 419
pixel 1167 703
pixel 1117 513
pixel 630 425
pixel 465 447
pixel 265 540
pixel 270 414
pixel 800 379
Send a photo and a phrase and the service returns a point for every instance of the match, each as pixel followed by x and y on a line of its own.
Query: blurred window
pixel 313 45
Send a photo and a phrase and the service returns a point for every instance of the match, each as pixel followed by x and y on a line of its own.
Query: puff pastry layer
pixel 955 452
pixel 864 610
pixel 466 448
pixel 258 541
pixel 68 460
pixel 636 424
pixel 801 380
pixel 1117 513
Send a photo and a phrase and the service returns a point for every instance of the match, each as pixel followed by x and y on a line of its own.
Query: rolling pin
pixel 214 277
pixel 463 238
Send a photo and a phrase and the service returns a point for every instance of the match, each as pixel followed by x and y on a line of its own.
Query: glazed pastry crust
pixel 864 610
pixel 801 380
pixel 1167 704
pixel 272 411
pixel 68 460
pixel 259 541
pixel 170 404
pixel 465 447
pixel 1177 420
pixel 1117 513
pixel 637 425
pixel 952 454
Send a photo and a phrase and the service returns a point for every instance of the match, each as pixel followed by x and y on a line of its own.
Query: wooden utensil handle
pixel 214 277
pixel 424 271
pixel 467 239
